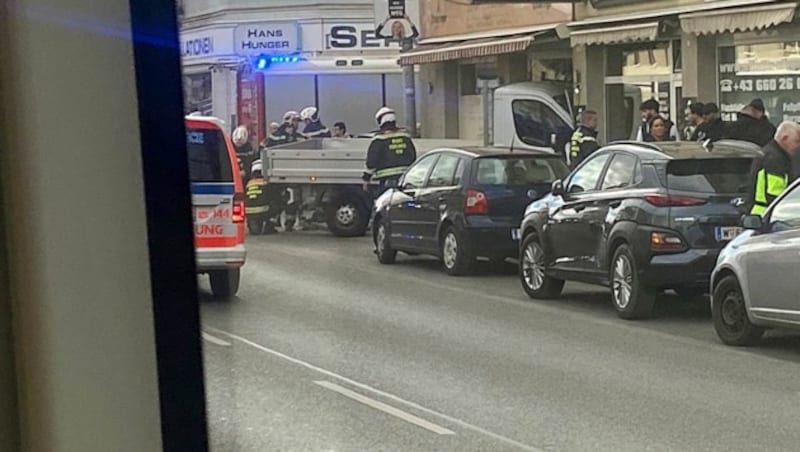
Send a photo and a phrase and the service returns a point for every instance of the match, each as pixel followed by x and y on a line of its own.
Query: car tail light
pixel 661 200
pixel 238 208
pixel 665 241
pixel 476 204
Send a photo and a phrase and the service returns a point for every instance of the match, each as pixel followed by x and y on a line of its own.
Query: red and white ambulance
pixel 218 204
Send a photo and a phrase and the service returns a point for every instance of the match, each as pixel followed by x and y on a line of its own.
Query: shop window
pixel 536 123
pixel 769 71
pixel 641 59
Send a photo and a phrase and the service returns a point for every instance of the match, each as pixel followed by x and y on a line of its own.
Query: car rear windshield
pixel 208 156
pixel 709 175
pixel 519 171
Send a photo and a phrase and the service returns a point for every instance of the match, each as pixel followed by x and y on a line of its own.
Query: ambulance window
pixel 208 156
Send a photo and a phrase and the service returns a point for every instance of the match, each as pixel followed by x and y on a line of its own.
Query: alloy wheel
pixel 622 282
pixel 450 250
pixel 533 266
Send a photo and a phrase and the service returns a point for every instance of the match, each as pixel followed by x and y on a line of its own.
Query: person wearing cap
pixel 697 121
pixel 649 109
pixel 390 152
pixel 751 125
pixel 314 127
pixel 712 123
pixel 246 153
pixel 257 202
pixel 286 132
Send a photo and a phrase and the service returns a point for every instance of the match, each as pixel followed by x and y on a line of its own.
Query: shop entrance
pixel 635 74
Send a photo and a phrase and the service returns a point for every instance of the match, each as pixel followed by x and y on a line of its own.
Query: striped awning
pixel 615 35
pixel 738 19
pixel 426 54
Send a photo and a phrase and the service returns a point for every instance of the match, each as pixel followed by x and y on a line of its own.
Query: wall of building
pixel 439 98
pixel 445 17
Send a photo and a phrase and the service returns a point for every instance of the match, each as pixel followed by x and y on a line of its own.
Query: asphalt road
pixel 326 350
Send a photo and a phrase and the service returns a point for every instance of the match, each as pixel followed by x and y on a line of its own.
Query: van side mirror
pixel 753 222
pixel 557 188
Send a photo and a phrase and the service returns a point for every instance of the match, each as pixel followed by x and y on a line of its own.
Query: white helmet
pixel 308 114
pixel 240 135
pixel 289 116
pixel 384 115
pixel 256 166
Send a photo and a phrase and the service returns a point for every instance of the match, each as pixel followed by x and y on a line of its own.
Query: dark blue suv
pixel 462 204
pixel 639 218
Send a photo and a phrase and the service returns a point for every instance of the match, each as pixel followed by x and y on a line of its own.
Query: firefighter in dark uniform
pixel 775 172
pixel 314 127
pixel 287 132
pixel 390 152
pixel 257 202
pixel 584 140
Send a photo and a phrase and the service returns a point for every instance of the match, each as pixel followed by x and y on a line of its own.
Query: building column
pixel 439 87
pixel 589 76
pixel 223 94
pixel 699 63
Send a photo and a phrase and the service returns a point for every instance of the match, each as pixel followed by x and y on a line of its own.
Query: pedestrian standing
pixel 649 109
pixel 313 124
pixel 659 129
pixel 775 172
pixel 751 125
pixel 714 128
pixel 698 122
pixel 584 139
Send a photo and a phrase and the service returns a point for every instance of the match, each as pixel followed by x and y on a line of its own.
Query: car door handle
pixel 579 208
pixel 614 204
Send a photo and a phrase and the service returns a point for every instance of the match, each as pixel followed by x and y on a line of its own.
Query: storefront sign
pixel 271 38
pixel 206 43
pixel 742 81
pixel 360 36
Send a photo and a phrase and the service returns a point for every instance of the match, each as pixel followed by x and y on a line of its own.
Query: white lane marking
pixel 393 397
pixel 215 340
pixel 388 409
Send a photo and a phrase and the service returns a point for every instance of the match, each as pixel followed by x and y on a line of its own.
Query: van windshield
pixel 519 171
pixel 725 176
pixel 208 156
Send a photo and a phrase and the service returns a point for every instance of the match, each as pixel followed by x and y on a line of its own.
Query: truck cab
pixel 533 115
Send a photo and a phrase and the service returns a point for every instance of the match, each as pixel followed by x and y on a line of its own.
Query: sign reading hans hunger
pixel 270 38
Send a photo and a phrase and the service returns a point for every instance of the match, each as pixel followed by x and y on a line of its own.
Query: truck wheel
pixel 632 300
pixel 347 217
pixel 224 283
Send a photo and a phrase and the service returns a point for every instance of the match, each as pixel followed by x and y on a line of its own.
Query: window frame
pixel 608 153
pixel 434 157
pixel 452 182
pixel 635 170
pixel 770 224
pixel 552 132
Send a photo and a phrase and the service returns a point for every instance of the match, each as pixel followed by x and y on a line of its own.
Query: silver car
pixel 756 282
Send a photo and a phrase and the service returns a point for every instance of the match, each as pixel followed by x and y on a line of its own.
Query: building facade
pixel 324 54
pixel 681 51
pixel 462 45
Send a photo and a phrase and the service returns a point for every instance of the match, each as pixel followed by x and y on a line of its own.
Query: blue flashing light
pixel 263 62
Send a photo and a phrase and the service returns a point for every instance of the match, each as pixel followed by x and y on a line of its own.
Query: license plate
pixel 515 234
pixel 726 233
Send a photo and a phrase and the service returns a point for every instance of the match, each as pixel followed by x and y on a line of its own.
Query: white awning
pixel 737 19
pixel 467 49
pixel 657 13
pixel 615 35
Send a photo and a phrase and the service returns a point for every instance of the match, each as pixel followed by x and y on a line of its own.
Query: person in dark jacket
pixel 287 132
pixel 245 151
pixel 659 128
pixel 650 109
pixel 314 127
pixel 698 121
pixel 751 125
pixel 584 139
pixel 775 173
pixel 390 152
pixel 259 203
pixel 713 127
